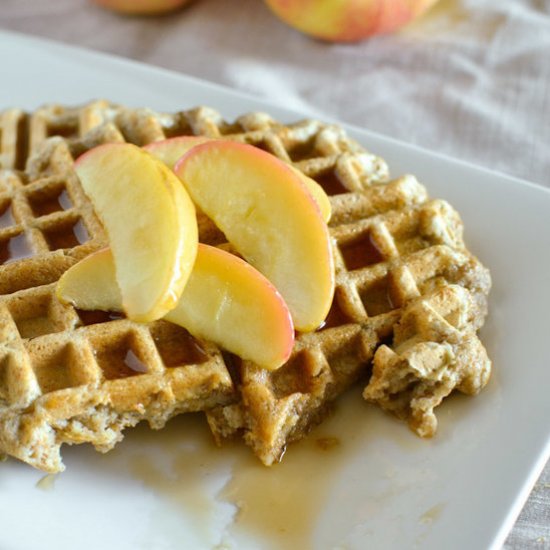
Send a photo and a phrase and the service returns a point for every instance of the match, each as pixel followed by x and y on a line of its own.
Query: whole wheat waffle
pixel 73 376
pixel 405 251
pixel 435 350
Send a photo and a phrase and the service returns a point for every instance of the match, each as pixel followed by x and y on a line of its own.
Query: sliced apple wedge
pixel 91 284
pixel 225 301
pixel 267 213
pixel 150 221
pixel 317 192
pixel 171 150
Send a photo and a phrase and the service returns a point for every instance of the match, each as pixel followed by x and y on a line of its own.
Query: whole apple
pixel 347 20
pixel 142 7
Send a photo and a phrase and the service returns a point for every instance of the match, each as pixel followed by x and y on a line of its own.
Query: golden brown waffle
pixel 405 248
pixel 68 376
pixel 57 382
pixel 435 350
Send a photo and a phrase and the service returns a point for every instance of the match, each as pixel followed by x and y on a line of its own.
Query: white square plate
pixel 380 487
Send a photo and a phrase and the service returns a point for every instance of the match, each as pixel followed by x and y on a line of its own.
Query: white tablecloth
pixel 471 79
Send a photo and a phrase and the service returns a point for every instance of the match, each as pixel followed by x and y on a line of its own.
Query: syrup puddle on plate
pixel 281 504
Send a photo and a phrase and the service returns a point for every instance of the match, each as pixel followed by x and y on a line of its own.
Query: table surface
pixel 470 79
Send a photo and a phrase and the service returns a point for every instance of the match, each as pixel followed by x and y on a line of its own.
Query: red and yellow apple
pixel 171 150
pixel 150 221
pixel 225 301
pixel 347 20
pixel 142 7
pixel 268 214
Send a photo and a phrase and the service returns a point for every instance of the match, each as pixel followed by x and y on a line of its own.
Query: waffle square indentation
pixel 6 214
pixel 303 150
pixel 176 346
pixel 120 357
pixel 55 369
pixel 331 183
pixel 66 234
pixel 293 377
pixel 33 315
pixel 15 247
pixel 47 201
pixel 361 252
pixel 376 298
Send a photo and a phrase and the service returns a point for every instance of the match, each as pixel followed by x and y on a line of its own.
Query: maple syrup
pixel 22 146
pixel 67 236
pixel 331 183
pixel 176 346
pixel 120 361
pixel 80 232
pixel 280 505
pixel 96 316
pixel 15 248
pixel 42 204
pixel 361 253
pixel 132 361
pixel 6 215
pixel 335 317
pixel 377 299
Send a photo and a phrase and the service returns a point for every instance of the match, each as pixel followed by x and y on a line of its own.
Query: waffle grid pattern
pixel 382 263
pixel 70 376
pixel 56 361
pixel 435 351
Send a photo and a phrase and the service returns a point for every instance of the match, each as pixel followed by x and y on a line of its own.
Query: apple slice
pixel 225 301
pixel 150 221
pixel 267 213
pixel 171 150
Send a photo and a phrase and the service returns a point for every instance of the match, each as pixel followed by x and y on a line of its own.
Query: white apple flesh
pixel 267 213
pixel 225 301
pixel 150 221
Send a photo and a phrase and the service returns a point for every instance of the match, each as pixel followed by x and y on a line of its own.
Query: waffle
pixel 68 376
pixel 407 249
pixel 435 350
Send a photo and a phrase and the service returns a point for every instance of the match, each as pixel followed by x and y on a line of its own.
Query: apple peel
pixel 150 221
pixel 269 216
pixel 225 301
pixel 171 150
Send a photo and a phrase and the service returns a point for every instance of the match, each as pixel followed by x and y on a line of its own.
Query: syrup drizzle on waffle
pixel 73 376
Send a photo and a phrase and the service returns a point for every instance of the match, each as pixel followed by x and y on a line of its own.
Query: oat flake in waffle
pixel 68 376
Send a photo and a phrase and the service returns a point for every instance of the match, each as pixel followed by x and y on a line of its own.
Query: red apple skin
pixel 347 20
pixel 267 212
pixel 171 150
pixel 142 7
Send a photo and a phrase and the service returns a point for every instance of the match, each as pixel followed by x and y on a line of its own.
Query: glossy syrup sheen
pixel 6 216
pixel 42 206
pixel 280 505
pixel 15 248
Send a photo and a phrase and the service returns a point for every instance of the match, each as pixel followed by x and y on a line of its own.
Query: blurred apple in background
pixel 142 7
pixel 347 20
